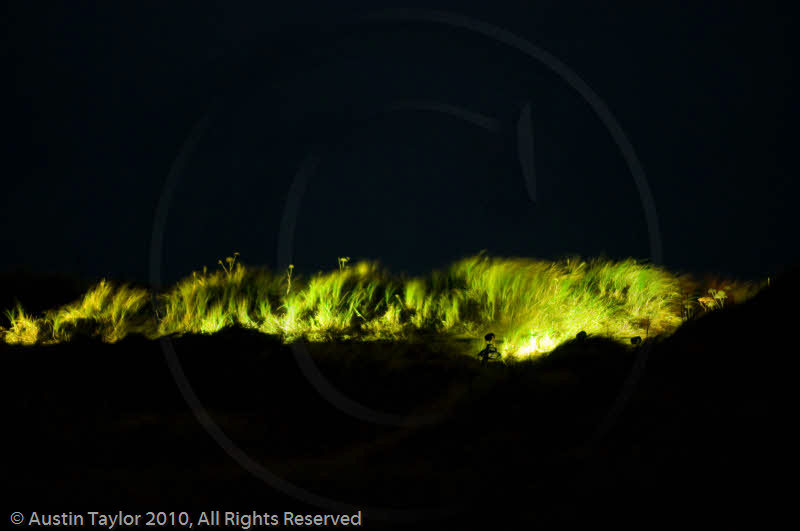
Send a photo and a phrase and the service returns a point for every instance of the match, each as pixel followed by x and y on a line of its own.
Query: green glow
pixel 532 305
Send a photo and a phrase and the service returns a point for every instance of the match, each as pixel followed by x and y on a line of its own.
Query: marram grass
pixel 531 305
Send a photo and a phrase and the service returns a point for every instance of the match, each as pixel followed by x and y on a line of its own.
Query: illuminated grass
pixel 109 311
pixel 531 305
pixel 24 328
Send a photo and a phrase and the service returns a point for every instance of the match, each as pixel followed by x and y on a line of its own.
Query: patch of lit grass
pixel 24 328
pixel 531 305
pixel 109 311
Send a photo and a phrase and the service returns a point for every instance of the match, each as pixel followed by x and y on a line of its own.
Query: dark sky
pixel 104 97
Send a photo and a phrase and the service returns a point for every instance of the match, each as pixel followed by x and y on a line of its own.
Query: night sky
pixel 408 131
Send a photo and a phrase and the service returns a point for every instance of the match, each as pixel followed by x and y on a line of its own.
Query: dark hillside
pixel 105 425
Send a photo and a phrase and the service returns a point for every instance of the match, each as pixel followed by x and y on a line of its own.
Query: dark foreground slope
pixel 97 427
